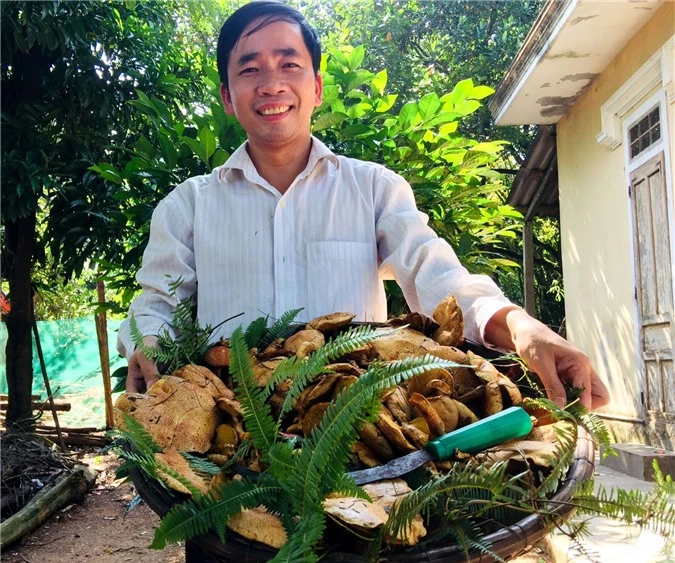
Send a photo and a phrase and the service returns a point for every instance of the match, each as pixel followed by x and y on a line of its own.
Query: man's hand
pixel 142 372
pixel 550 356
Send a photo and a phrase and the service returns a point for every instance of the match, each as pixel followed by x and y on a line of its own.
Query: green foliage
pixel 184 342
pixel 257 413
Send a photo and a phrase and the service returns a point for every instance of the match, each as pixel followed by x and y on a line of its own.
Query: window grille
pixel 645 132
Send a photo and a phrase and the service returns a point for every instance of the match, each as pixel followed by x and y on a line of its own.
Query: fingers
pixel 545 368
pixel 599 393
pixel 142 373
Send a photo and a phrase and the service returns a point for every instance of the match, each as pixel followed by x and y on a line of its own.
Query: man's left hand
pixel 556 361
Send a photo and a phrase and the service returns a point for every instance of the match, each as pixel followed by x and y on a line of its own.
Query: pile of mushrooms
pixel 195 410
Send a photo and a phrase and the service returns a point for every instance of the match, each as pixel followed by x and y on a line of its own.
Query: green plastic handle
pixel 508 424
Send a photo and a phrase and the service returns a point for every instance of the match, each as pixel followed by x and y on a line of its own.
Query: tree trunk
pixel 19 352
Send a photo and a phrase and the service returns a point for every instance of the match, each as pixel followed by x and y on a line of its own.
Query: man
pixel 285 223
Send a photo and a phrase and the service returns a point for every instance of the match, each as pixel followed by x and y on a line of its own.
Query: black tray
pixel 506 543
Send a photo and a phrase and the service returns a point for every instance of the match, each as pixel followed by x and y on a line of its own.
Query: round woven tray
pixel 506 543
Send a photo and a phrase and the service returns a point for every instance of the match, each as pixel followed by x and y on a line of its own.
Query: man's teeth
pixel 275 111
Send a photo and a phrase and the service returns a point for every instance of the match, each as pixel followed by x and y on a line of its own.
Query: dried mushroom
pixel 451 322
pixel 365 515
pixel 331 322
pixel 176 462
pixel 177 413
pixel 259 525
pixel 218 356
pixel 304 342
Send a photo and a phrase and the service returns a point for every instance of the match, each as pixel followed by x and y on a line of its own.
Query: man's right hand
pixel 142 372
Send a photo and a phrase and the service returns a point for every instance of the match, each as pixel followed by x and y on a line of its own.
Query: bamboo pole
pixel 48 388
pixel 102 335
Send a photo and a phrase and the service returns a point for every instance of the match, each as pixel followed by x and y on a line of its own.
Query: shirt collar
pixel 240 160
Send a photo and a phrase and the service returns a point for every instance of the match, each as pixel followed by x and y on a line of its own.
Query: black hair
pixel 269 11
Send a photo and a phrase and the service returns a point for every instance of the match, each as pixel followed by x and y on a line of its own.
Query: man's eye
pixel 248 70
pixel 292 65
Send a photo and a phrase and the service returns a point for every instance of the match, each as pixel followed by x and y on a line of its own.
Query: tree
pixel 68 69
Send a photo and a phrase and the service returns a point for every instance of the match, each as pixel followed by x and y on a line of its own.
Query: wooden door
pixel 654 285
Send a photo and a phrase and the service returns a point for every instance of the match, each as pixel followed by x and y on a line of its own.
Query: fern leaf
pixel 320 464
pixel 255 332
pixel 201 465
pixel 201 513
pixel 301 541
pixel 281 328
pixel 257 413
pixel 303 373
pixel 135 433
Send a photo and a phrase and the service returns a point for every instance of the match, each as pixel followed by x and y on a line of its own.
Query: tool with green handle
pixel 508 424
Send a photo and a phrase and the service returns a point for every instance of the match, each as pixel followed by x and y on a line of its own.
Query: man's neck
pixel 280 166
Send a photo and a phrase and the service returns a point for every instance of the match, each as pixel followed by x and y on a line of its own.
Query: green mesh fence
pixel 70 350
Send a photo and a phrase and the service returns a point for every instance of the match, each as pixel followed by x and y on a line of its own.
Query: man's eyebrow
pixel 248 57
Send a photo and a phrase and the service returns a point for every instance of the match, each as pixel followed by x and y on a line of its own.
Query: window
pixel 645 132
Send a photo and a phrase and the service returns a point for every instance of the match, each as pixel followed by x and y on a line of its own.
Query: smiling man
pixel 285 223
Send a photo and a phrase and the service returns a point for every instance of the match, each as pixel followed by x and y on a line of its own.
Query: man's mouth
pixel 274 111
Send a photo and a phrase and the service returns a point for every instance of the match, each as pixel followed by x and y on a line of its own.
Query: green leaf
pixel 429 105
pixel 109 172
pixel 480 92
pixel 355 58
pixel 208 141
pixel 380 81
pixel 168 149
pixel 197 148
pixel 328 120
pixel 407 114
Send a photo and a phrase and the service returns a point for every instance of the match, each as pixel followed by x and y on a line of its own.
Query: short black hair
pixel 269 11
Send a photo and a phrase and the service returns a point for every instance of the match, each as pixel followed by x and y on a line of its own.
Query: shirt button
pixel 282 203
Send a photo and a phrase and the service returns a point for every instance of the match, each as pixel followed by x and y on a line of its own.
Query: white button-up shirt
pixel 325 245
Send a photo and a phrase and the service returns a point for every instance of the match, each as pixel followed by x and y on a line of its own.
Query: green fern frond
pixel 135 433
pixel 282 327
pixel 560 461
pixel 320 464
pixel 257 413
pixel 468 491
pixel 301 541
pixel 651 510
pixel 201 465
pixel 304 372
pixel 281 460
pixel 255 332
pixel 200 514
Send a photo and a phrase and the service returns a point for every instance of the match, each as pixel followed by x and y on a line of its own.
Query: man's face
pixel 272 87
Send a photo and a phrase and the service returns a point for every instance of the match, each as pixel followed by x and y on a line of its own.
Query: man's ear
pixel 318 90
pixel 225 98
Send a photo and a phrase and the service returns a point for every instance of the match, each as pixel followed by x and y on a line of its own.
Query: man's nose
pixel 271 83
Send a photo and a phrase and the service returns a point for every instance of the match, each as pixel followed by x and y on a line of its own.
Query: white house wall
pixel 595 218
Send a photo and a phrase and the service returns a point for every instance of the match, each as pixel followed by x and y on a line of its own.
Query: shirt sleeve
pixel 424 265
pixel 168 258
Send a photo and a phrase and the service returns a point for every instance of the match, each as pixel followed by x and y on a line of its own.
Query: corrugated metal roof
pixel 535 189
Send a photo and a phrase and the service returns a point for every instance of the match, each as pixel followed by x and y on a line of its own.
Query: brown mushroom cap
pixel 177 413
pixel 331 322
pixel 304 342
pixel 204 377
pixel 218 356
pixel 176 462
pixel 365 515
pixel 259 525
pixel 451 322
pixel 392 431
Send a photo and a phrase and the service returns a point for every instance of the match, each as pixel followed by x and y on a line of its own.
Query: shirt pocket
pixel 342 276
